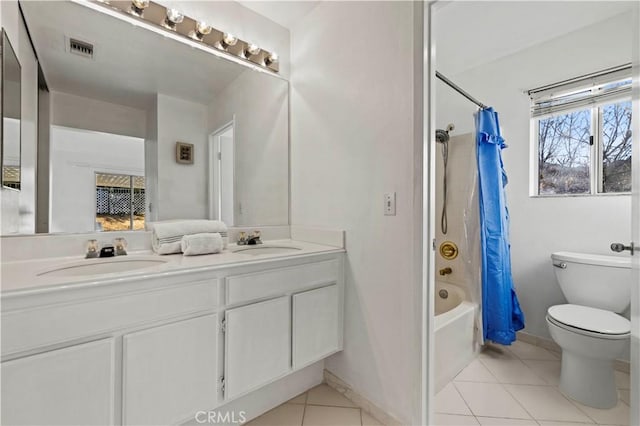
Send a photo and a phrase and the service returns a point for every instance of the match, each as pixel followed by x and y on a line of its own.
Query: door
pixel 70 386
pixel 257 345
pixel 316 325
pixel 170 372
pixel 222 174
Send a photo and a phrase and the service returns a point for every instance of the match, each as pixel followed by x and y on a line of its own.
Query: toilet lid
pixel 590 319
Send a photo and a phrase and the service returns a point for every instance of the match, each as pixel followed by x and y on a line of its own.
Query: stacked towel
pixel 202 244
pixel 166 236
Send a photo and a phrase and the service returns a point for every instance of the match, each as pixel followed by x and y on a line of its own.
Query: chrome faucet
pixel 445 271
pixel 120 245
pixel 119 248
pixel 250 240
pixel 92 249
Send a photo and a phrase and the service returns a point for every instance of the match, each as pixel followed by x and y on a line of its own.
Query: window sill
pixel 612 194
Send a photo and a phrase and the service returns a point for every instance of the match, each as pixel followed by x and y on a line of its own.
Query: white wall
pixel 234 18
pixel 18 208
pixel 259 103
pixel 352 139
pixel 29 134
pixel 78 112
pixel 540 226
pixel 76 156
pixel 182 188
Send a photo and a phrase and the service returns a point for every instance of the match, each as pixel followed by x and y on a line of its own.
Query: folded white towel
pixel 202 244
pixel 166 236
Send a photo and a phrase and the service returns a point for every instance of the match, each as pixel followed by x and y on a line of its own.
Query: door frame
pixel 428 216
pixel 428 280
pixel 635 224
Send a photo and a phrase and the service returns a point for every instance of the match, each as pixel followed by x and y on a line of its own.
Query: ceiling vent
pixel 81 48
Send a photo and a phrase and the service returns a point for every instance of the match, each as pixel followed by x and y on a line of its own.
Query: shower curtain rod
pixel 459 90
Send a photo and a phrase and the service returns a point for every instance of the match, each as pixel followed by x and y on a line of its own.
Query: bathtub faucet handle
pixel 445 271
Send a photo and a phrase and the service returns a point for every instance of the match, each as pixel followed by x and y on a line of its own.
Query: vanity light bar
pixel 171 22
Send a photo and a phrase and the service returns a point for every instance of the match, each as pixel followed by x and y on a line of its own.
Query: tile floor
pixel 518 385
pixel 320 406
pixel 510 386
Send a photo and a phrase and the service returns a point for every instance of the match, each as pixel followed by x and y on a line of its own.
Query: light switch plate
pixel 390 204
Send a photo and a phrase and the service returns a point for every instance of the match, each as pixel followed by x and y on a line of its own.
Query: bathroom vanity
pixel 157 345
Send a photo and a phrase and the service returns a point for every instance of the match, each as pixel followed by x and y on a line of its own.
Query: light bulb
pixel 140 4
pixel 202 29
pixel 138 7
pixel 228 40
pixel 174 16
pixel 251 50
pixel 272 58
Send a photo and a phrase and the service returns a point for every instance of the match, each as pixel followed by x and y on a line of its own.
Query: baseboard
pixel 363 403
pixel 262 400
pixel 549 344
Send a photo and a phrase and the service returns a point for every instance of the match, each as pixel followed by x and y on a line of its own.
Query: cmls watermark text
pixel 221 417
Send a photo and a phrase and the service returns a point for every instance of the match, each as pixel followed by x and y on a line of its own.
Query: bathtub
pixel 454 332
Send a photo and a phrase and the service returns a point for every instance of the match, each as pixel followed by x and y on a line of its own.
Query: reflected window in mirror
pixel 11 114
pixel 97 181
pixel 120 202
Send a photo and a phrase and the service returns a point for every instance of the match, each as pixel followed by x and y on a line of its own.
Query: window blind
pixel 582 92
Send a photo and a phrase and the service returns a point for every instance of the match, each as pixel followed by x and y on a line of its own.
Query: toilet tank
pixel 595 280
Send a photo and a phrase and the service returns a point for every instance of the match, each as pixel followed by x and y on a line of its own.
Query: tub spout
pixel 445 271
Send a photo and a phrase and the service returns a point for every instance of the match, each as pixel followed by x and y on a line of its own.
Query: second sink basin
pixel 103 266
pixel 258 250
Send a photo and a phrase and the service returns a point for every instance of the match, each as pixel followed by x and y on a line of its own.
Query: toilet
pixel 589 329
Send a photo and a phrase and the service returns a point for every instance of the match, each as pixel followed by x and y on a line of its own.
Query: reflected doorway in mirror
pixel 222 173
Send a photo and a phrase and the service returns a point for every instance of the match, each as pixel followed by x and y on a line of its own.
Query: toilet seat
pixel 589 321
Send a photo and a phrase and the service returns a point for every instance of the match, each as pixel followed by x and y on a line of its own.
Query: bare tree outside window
pixel 566 156
pixel 564 153
pixel 616 147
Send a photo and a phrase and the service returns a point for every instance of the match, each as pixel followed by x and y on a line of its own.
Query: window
pixel 582 132
pixel 120 202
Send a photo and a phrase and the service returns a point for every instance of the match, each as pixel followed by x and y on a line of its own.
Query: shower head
pixel 442 136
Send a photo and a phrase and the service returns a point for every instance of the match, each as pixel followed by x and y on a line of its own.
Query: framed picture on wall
pixel 184 153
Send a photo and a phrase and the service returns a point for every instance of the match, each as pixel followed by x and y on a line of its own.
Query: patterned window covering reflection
pixel 11 177
pixel 120 202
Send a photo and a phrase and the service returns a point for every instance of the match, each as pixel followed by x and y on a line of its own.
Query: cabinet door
pixel 170 372
pixel 258 345
pixel 70 386
pixel 316 325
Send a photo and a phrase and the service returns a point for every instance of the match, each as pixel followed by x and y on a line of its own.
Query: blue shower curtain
pixel 501 312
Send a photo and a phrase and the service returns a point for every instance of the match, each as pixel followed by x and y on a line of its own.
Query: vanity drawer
pixel 260 285
pixel 48 325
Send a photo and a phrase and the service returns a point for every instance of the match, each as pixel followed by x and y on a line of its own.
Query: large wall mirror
pixel 11 113
pixel 121 98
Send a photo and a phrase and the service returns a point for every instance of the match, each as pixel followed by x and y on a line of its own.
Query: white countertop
pixel 23 277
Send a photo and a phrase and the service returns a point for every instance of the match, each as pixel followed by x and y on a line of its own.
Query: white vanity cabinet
pixel 170 372
pixel 69 386
pixel 161 349
pixel 257 345
pixel 317 321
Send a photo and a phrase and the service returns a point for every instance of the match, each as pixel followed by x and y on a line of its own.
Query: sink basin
pixel 264 249
pixel 103 266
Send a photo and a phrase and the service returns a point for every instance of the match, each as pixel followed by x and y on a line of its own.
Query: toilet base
pixel 588 381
